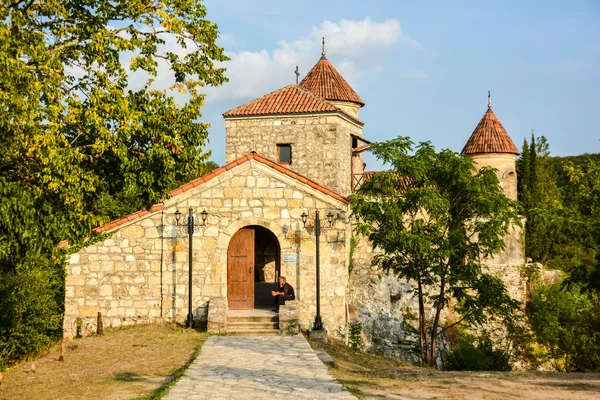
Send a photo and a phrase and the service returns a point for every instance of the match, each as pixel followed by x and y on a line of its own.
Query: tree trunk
pixel 436 321
pixel 422 327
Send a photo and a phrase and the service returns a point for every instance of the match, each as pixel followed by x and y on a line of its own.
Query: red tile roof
pixel 196 182
pixel 324 81
pixel 291 99
pixel 490 137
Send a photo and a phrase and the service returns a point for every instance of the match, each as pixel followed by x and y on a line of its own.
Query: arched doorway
pixel 253 265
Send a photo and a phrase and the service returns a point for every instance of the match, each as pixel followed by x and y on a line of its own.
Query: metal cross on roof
pixel 297 74
pixel 323 47
pixel 489 99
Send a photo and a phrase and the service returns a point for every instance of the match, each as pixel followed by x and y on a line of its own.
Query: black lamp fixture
pixel 190 228
pixel 318 324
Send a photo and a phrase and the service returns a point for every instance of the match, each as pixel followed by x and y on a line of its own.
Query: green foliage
pixel 469 353
pixel 355 330
pixel 567 321
pixel 80 143
pixel 539 195
pixel 30 315
pixel 423 215
pixel 353 245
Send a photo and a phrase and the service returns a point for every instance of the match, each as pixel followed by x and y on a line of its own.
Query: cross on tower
pixel 489 99
pixel 323 47
pixel 297 74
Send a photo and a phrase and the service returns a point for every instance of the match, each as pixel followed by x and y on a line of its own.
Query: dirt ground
pixel 370 376
pixel 122 364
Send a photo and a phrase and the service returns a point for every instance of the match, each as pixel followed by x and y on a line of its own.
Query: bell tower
pixel 491 146
pixel 311 127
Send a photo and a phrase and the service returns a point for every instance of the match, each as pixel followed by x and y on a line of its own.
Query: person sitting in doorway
pixel 285 292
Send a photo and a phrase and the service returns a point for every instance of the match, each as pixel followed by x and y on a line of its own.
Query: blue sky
pixel 424 68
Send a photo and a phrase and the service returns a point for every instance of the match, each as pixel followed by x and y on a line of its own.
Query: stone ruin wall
pixel 139 274
pixel 321 144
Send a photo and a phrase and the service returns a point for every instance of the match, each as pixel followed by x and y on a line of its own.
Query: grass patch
pixel 133 362
pixel 373 376
pixel 164 389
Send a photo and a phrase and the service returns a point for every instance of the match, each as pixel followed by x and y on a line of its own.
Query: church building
pixel 290 154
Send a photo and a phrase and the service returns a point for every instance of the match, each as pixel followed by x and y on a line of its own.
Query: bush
pixel 355 329
pixel 475 354
pixel 566 320
pixel 30 317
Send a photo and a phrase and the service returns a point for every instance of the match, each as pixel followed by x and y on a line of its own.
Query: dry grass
pixel 121 364
pixel 372 376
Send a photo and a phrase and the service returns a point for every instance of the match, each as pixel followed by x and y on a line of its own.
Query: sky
pixel 423 68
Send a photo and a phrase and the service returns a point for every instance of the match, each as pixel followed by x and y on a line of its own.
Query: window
pixel 285 153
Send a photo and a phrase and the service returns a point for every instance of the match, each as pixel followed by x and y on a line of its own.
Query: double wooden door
pixel 240 270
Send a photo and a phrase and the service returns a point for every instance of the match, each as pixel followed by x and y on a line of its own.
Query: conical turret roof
pixel 490 137
pixel 324 81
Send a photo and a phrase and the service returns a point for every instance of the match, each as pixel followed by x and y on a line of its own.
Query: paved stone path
pixel 257 367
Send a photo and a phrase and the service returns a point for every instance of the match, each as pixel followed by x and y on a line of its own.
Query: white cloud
pixel 355 47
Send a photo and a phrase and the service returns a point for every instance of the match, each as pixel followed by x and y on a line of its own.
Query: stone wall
pixel 321 144
pixel 140 273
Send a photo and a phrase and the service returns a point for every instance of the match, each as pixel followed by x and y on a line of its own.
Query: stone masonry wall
pixel 321 144
pixel 140 273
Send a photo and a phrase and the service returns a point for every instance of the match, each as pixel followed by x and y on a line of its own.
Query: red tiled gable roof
pixel 196 182
pixel 291 99
pixel 324 81
pixel 490 137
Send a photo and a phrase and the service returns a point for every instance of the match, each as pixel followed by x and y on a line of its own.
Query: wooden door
pixel 240 270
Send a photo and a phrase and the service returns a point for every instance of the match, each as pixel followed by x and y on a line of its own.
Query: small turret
pixel 490 145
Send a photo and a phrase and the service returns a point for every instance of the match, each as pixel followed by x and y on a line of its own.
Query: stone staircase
pixel 248 323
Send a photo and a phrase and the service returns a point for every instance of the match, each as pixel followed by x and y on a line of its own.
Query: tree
pixel 74 129
pixel 434 218
pixel 566 320
pixel 539 195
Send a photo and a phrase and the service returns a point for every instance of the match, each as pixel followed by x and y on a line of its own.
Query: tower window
pixel 284 152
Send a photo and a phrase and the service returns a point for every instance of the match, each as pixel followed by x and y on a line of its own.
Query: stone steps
pixel 253 332
pixel 252 325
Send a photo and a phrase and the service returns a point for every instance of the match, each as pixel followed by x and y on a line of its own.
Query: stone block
pixel 75 280
pixel 262 182
pixel 105 290
pixel 148 222
pixel 211 290
pixel 211 231
pixel 88 311
pixel 133 232
pixel 231 193
pixel 289 318
pixel 217 315
pixel 152 232
pixel 74 258
pixel 271 213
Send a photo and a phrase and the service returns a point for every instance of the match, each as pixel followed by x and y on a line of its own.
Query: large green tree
pixel 74 129
pixel 434 218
